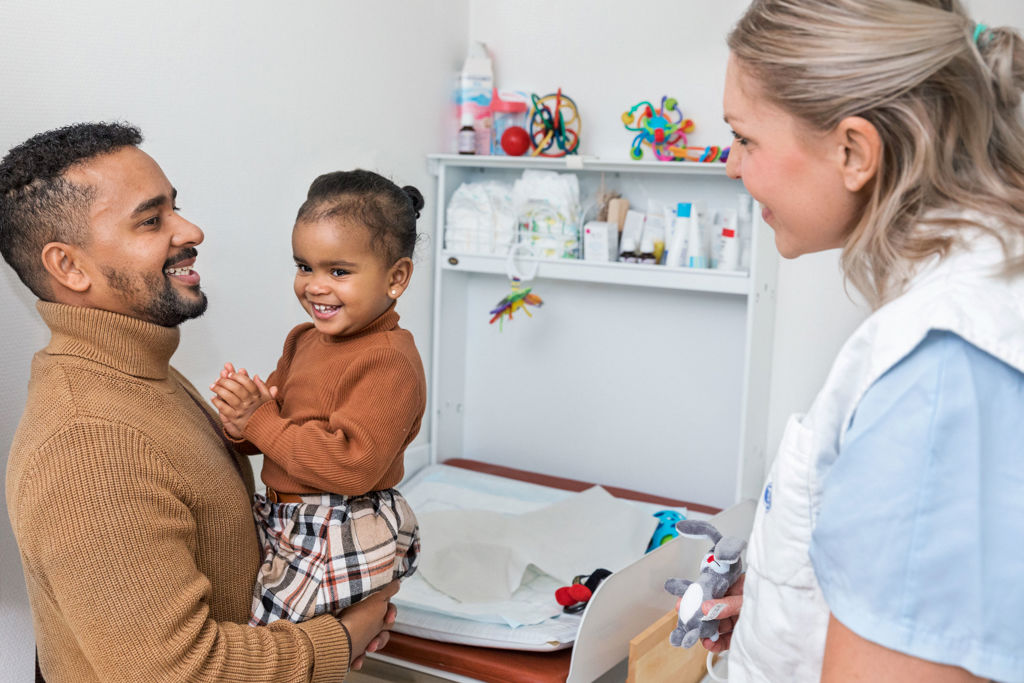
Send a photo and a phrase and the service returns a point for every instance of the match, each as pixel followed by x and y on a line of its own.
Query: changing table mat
pixel 525 616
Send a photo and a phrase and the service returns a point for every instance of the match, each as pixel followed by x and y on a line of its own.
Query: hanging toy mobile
pixel 554 125
pixel 518 299
pixel 661 129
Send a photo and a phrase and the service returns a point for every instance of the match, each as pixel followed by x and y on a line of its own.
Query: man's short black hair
pixel 39 205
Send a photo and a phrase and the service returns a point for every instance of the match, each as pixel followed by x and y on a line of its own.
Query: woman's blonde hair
pixel 944 95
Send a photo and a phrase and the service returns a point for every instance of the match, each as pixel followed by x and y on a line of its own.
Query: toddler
pixel 334 419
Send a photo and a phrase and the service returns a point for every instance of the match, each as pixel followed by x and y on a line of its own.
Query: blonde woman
pixel 889 540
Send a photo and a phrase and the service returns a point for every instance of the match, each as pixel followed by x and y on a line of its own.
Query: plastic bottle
pixel 744 228
pixel 508 112
pixel 728 250
pixel 647 252
pixel 476 85
pixel 696 249
pixel 676 253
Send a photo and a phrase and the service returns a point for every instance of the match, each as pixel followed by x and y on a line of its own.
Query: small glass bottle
pixel 466 141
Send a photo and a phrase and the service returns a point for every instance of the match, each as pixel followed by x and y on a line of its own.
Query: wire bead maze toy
pixel 664 130
pixel 518 299
pixel 554 125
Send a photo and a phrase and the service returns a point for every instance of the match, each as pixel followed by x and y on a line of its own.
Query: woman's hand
pixel 368 622
pixel 732 601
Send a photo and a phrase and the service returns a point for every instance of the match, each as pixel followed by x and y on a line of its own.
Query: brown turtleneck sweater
pixel 347 408
pixel 133 521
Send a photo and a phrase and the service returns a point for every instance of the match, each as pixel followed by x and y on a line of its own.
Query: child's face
pixel 794 172
pixel 341 282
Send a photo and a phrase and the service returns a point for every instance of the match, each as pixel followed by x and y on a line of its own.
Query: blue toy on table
pixel 666 531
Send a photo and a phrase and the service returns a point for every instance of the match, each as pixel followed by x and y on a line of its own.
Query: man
pixel 132 514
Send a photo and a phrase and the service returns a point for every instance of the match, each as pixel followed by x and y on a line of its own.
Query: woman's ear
pixel 861 150
pixel 61 261
pixel 399 276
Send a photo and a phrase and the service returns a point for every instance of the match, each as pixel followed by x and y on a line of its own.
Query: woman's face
pixel 795 173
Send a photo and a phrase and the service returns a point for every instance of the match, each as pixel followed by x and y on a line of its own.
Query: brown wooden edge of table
pixel 502 666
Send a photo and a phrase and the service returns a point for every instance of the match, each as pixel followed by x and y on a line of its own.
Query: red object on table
pixel 506 666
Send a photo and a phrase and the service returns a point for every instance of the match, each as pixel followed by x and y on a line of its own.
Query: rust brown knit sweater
pixel 347 408
pixel 133 521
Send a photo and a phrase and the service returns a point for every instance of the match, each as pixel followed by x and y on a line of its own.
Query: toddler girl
pixel 334 419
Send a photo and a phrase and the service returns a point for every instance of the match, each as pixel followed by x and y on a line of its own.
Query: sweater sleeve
pixel 351 451
pixel 113 542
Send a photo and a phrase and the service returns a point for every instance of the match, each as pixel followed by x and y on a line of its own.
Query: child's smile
pixel 340 280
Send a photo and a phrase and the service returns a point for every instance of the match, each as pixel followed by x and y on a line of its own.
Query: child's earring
pixel 393 292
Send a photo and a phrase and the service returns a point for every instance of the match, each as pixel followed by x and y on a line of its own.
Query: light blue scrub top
pixel 919 545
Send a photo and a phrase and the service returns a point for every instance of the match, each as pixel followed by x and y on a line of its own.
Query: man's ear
pixel 861 151
pixel 399 276
pixel 63 263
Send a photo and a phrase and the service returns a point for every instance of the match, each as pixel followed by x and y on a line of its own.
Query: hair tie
pixel 978 30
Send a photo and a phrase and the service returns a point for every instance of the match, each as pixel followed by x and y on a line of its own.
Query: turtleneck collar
pixel 126 344
pixel 387 320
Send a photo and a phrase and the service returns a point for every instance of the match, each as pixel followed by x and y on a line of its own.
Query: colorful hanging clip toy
pixel 518 299
pixel 514 301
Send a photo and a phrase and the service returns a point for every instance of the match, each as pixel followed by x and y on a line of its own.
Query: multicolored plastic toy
pixel 515 301
pixel 666 531
pixel 661 129
pixel 554 125
pixel 701 154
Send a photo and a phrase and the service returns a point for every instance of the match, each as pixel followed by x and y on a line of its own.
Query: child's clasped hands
pixel 237 398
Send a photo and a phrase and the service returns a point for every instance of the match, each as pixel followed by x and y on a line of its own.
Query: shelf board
pixel 577 163
pixel 693 279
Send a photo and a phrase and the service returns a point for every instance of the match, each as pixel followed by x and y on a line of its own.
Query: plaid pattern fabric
pixel 329 552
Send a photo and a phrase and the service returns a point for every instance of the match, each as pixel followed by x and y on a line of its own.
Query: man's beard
pixel 154 299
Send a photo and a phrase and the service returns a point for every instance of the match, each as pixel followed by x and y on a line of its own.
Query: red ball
pixel 515 141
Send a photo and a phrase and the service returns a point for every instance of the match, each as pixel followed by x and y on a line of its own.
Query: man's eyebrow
pixel 154 202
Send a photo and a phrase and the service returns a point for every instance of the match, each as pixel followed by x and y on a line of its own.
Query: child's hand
pixel 237 396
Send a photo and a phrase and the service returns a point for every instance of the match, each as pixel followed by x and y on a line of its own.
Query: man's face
pixel 139 251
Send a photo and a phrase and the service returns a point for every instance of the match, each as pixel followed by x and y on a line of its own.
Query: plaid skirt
pixel 330 551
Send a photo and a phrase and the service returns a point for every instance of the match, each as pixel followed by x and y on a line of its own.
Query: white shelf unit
pixel 639 376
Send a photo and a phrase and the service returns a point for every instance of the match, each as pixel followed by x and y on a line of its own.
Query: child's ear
pixel 63 263
pixel 399 276
pixel 861 150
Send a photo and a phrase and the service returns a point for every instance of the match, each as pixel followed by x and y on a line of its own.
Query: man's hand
pixel 237 396
pixel 368 622
pixel 732 601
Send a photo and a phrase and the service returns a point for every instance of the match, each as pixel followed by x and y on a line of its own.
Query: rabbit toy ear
pixel 728 550
pixel 692 528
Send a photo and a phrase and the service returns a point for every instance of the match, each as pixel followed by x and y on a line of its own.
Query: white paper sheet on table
pixel 481 556
pixel 530 619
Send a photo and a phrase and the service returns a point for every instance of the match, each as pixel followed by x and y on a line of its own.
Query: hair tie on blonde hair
pixel 978 30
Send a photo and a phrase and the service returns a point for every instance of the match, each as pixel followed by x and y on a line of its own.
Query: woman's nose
pixel 732 164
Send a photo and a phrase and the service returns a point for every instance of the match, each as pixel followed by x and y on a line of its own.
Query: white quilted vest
pixel 780 636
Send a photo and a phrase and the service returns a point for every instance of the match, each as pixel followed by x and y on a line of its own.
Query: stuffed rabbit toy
pixel 720 567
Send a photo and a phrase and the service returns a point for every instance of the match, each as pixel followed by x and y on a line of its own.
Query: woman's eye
pixel 739 139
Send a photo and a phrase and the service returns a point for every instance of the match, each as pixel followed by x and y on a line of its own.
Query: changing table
pixel 493 665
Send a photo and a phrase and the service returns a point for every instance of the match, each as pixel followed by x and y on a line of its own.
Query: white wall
pixel 608 55
pixel 243 104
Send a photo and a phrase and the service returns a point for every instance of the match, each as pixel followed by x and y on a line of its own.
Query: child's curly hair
pixel 389 212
